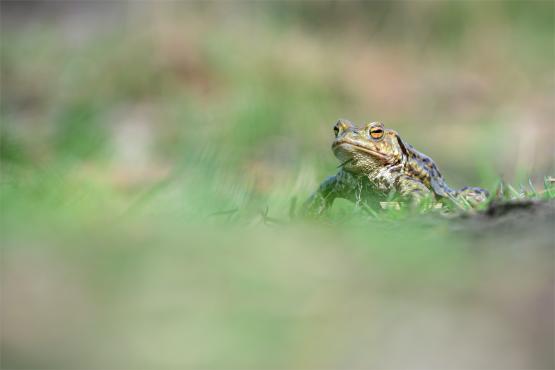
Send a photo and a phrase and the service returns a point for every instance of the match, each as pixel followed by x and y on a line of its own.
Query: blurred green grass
pixel 120 143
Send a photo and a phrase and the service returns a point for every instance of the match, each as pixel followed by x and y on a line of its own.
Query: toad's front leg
pixel 323 198
pixel 412 189
pixel 343 185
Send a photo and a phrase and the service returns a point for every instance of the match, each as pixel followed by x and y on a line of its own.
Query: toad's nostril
pixel 342 125
pixel 338 128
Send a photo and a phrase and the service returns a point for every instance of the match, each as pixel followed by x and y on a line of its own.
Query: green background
pixel 144 145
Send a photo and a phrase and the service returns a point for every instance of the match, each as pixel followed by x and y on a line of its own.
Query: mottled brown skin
pixel 376 162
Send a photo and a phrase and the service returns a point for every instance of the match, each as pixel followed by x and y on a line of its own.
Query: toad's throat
pixel 362 149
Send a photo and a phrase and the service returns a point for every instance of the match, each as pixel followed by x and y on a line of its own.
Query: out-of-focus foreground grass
pixel 141 144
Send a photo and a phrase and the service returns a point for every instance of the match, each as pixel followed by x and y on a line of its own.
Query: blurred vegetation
pixel 146 148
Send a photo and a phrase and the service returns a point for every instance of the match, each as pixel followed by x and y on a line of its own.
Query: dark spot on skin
pixel 402 146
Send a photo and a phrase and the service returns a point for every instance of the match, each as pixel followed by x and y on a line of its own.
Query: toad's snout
pixel 341 126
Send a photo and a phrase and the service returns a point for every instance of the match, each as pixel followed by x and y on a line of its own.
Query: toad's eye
pixel 376 133
pixel 336 130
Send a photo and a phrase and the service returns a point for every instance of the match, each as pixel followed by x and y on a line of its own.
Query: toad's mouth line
pixel 362 149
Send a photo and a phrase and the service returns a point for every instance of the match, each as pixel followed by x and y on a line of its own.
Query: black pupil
pixel 336 130
pixel 376 132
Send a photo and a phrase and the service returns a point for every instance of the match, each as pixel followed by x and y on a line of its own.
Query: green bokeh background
pixel 129 129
